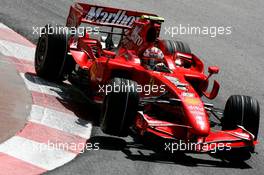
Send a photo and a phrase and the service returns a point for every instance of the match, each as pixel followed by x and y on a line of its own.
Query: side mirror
pixel 213 70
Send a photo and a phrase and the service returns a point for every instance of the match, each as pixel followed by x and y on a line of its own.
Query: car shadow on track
pixel 69 98
pixel 137 151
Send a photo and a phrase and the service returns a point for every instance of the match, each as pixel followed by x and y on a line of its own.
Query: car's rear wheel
pixel 171 47
pixel 51 59
pixel 119 107
pixel 244 111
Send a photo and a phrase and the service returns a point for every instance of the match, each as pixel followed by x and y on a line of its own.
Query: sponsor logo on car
pixel 177 83
pixel 195 108
pixel 192 101
pixel 136 38
pixel 99 14
pixel 187 94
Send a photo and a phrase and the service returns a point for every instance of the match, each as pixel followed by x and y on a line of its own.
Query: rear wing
pixel 103 16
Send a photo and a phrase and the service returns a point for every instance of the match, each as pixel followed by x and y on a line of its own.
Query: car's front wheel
pixel 244 111
pixel 119 107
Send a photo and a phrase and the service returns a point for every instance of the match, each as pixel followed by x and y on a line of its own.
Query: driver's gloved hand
pixel 160 67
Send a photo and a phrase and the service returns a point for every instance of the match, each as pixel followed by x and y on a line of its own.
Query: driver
pixel 153 59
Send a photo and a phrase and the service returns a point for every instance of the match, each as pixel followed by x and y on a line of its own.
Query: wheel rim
pixel 41 51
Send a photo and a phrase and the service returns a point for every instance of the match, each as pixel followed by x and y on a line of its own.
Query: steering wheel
pixel 185 62
pixel 163 67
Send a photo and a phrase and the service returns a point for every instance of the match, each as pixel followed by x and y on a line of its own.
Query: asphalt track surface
pixel 239 55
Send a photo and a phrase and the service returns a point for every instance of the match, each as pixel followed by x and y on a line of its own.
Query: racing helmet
pixel 152 56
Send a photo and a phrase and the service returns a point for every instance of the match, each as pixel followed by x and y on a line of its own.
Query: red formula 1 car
pixel 143 82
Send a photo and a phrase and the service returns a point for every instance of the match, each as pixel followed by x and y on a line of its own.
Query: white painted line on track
pixel 38 154
pixel 61 121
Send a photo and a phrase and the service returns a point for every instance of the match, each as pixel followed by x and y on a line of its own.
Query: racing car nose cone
pixel 201 125
pixel 202 129
pixel 198 120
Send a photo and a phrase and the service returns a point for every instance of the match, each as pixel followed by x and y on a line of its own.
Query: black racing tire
pixel 170 47
pixel 51 59
pixel 244 111
pixel 119 108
